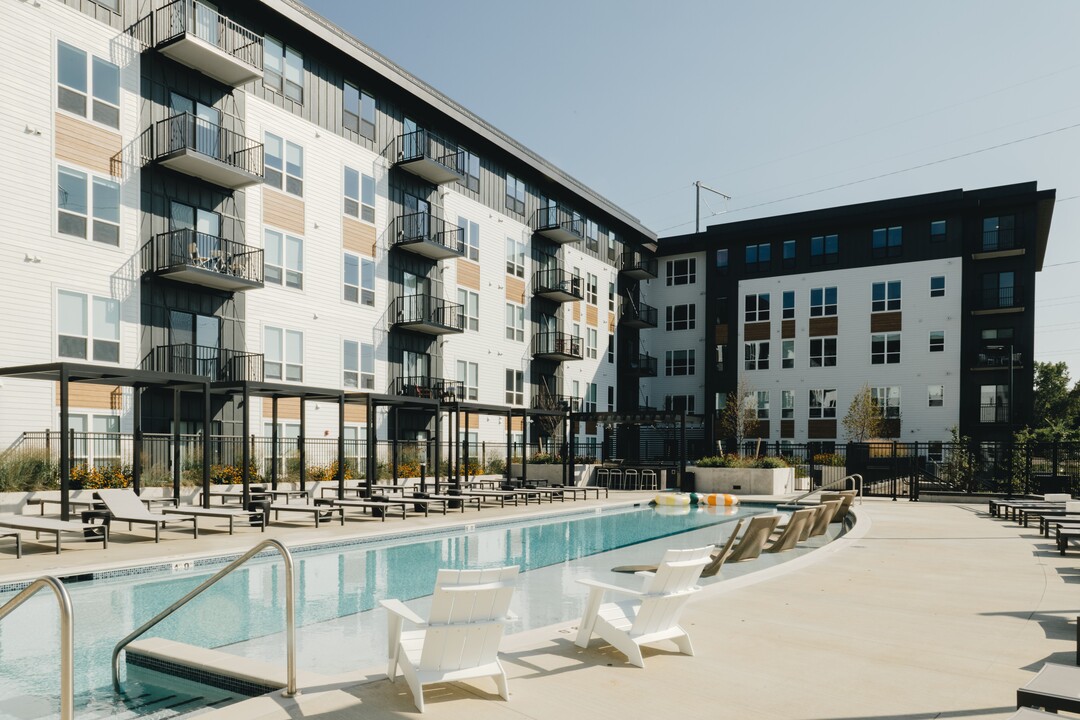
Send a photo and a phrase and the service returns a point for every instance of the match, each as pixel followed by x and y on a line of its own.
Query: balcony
pixel 428 387
pixel 641 365
pixel 547 401
pixel 202 259
pixel 216 364
pixel 196 147
pixel 998 240
pixel 425 234
pixel 193 34
pixel 991 359
pixel 427 314
pixel 1000 300
pixel 557 346
pixel 994 413
pixel 637 266
pixel 637 316
pixel 558 225
pixel 558 285
pixel 426 155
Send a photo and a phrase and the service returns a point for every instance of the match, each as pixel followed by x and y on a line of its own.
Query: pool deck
pixel 924 610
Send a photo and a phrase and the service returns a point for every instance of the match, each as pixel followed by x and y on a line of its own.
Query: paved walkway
pixel 925 611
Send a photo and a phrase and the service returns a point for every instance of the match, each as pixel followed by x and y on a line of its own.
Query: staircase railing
pixel 856 479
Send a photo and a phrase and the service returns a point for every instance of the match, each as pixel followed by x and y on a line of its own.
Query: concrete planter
pixel 744 481
pixel 553 474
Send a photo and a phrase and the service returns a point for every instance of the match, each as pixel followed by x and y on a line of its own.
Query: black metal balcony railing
pixel 188 17
pixel 1000 239
pixel 547 401
pixel 638 264
pixel 1001 297
pixel 560 222
pixel 994 413
pixel 556 281
pixel 423 145
pixel 642 364
pixel 557 344
pixel 998 359
pixel 185 131
pixel 217 364
pixel 428 311
pixel 425 227
pixel 187 248
pixel 639 314
pixel 428 387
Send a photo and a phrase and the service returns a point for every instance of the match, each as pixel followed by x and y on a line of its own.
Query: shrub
pixel 770 462
pixel 732 460
pixel 26 470
pixel 233 474
pixel 495 466
pixel 829 459
pixel 100 478
pixel 328 473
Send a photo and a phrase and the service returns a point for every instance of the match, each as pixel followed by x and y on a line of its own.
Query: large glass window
pixel 470 304
pixel 471 232
pixel 515 322
pixel 885 348
pixel 824 250
pixel 999 233
pixel 762 403
pixel 822 302
pixel 823 352
pixel 679 362
pixel 359 194
pixel 935 395
pixel 86 201
pixel 757 307
pixel 468 374
pixel 591 337
pixel 887 400
pixel 75 83
pixel 88 327
pixel 788 305
pixel 284 259
pixel 787 405
pixel 515 194
pixel 885 296
pixel 789 253
pixel 756 355
pixel 591 288
pixel 937 286
pixel 283 354
pixel 283 69
pixel 822 404
pixel 472 170
pixel 515 387
pixel 787 354
pixel 515 257
pixel 682 272
pixel 358 111
pixel 937 341
pixel 888 242
pixel 681 317
pixel 758 257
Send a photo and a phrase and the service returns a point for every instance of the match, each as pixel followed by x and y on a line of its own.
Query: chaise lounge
pixel 124 506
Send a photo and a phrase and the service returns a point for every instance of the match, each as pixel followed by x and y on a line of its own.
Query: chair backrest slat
pixel 468 618
pixel 123 503
pixel 753 540
pixel 668 590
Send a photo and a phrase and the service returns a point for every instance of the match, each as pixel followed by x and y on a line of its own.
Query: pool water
pixel 338 589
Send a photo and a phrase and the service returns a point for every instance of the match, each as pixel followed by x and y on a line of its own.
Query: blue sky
pixel 774 103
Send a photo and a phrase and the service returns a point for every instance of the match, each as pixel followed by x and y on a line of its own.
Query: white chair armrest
pixel 403 611
pixel 597 585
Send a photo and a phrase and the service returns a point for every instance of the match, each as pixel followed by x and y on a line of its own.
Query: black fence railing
pixel 641 364
pixel 638 262
pixel 997 359
pixel 994 412
pixel 217 364
pixel 198 250
pixel 428 387
pixel 639 313
pixel 558 280
pixel 552 218
pixel 189 17
pixel 557 343
pixel 1000 239
pixel 1001 297
pixel 426 145
pixel 426 227
pixel 427 310
pixel 562 403
pixel 185 131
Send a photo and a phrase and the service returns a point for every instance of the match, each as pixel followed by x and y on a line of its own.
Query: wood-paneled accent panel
pixel 787 429
pixel 468 274
pixel 824 326
pixel 517 424
pixel 474 421
pixel 357 236
pixel 890 428
pixel 287 408
pixel 886 322
pixel 787 329
pixel 611 320
pixel 355 413
pixel 591 315
pixel 87 145
pixel 756 331
pixel 721 334
pixel 515 290
pixel 590 427
pixel 761 430
pixel 92 397
pixel 577 311
pixel 283 211
pixel 821 429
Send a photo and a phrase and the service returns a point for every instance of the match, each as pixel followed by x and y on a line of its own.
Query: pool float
pixel 717 499
pixel 672 499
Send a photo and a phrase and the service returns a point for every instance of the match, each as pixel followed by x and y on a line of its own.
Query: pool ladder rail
pixel 67 636
pixel 855 478
pixel 290 614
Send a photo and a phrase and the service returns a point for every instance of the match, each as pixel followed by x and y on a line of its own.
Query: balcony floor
pixel 428 327
pixel 209 278
pixel 196 164
pixel 188 49
pixel 428 248
pixel 431 170
pixel 559 235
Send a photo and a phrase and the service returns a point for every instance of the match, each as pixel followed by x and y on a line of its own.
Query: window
pixel 679 362
pixel 471 166
pixel 935 395
pixel 359 280
pixel 83 200
pixel 757 307
pixel 999 290
pixel 682 272
pixel 824 250
pixel 611 347
pixel 592 236
pixel 88 327
pixel 590 288
pixel 823 352
pixel 938 230
pixel 515 194
pixel 762 402
pixel 283 161
pixel 787 354
pixel 885 348
pixel 590 343
pixel 611 398
pixel 283 69
pixel 998 233
pixel 359 365
pixel 358 111
pixel 937 341
pixel 515 257
pixel 937 286
pixel 997 334
pixel 590 397
pixel 470 308
pixel 789 253
pixel 611 297
pixel 888 242
pixel 758 257
pixel 468 374
pixel 721 261
pixel 885 296
pixel 73 86
pixel 822 404
pixel 471 232
pixel 359 195
pixel 284 354
pixel 679 403
pixel 756 355
pixel 823 302
pixel 284 255
pixel 515 387
pixel 612 241
pixel 787 405
pixel 993 403
pixel 681 317
pixel 721 350
pixel 788 312
pixel 515 322
pixel 887 401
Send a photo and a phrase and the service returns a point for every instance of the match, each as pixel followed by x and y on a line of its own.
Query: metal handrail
pixel 831 486
pixel 67 636
pixel 290 613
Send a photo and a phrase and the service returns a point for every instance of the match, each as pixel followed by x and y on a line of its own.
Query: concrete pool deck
pixel 925 610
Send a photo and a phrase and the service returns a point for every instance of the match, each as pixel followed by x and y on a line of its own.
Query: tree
pixel 863 420
pixel 1055 406
pixel 738 419
pixel 958 466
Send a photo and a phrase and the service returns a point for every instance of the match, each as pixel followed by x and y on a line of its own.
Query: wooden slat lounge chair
pixel 56 527
pixel 125 506
pixel 792 532
pixel 753 540
pixel 716 559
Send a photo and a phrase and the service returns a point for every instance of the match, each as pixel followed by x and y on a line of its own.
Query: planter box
pixel 553 474
pixel 744 481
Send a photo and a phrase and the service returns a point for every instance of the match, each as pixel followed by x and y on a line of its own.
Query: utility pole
pixel 698 187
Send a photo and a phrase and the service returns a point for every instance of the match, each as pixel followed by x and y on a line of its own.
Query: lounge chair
pixel 40 525
pixel 717 558
pixel 654 616
pixel 792 532
pixel 847 497
pixel 460 639
pixel 223 513
pixel 125 506
pixel 753 540
pixel 827 512
pixel 1055 687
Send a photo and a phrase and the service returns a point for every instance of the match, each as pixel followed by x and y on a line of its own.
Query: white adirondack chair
pixel 653 613
pixel 460 639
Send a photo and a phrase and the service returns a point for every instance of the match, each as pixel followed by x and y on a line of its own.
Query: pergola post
pixel 273 443
pixel 370 448
pixel 394 427
pixel 65 448
pixel 438 454
pixel 136 439
pixel 682 451
pixel 454 449
pixel 341 447
pixel 509 453
pixel 465 462
pixel 176 443
pixel 206 446
pixel 524 446
pixel 301 444
pixel 568 479
pixel 245 425
pixel 566 442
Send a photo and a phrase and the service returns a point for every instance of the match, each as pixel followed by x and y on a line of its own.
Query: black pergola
pixel 636 417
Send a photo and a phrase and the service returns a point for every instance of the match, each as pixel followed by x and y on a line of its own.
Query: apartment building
pixel 243 191
pixel 928 300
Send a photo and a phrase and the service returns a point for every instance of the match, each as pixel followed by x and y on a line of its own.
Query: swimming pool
pixel 337 585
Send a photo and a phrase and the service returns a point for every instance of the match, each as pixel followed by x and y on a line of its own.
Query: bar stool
pixel 615 479
pixel 631 479
pixel 648 480
pixel 602 477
